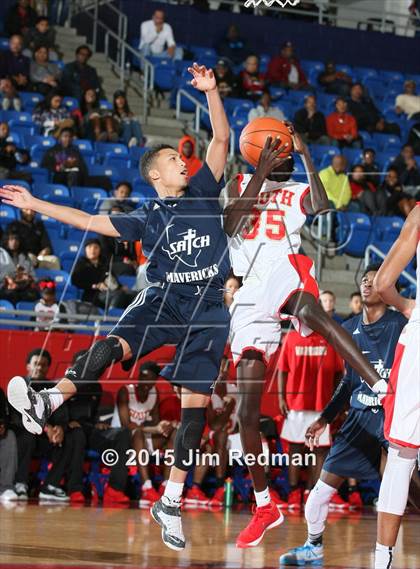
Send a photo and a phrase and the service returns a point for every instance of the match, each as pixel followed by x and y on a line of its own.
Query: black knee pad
pixel 188 437
pixel 93 363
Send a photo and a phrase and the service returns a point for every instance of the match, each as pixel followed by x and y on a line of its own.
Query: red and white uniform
pixel 402 403
pixel 266 255
pixel 140 412
pixel 311 365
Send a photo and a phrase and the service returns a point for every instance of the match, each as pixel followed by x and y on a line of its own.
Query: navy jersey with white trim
pixel 182 238
pixel 377 341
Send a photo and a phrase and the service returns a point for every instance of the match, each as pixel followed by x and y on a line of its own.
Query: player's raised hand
pixel 269 158
pixel 298 144
pixel 203 78
pixel 16 196
pixel 314 432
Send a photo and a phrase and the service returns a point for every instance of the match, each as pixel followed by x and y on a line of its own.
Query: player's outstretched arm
pixel 395 262
pixel 19 197
pixel 204 80
pixel 317 200
pixel 239 207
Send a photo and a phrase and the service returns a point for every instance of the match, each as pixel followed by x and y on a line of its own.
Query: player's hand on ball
pixel 16 196
pixel 314 432
pixel 270 159
pixel 203 78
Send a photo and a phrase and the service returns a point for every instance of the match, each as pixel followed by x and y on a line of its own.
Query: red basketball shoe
pixel 264 518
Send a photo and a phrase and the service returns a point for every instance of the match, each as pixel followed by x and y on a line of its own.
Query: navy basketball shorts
pixel 356 451
pixel 199 329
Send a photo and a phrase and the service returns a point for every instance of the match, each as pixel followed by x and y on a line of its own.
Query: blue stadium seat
pixel 165 73
pixel 6 305
pixel 297 98
pixel 354 233
pixel 110 172
pixel 71 103
pixel 287 108
pixel 309 66
pixel 105 105
pixel 7 213
pixel 141 188
pixel 136 152
pixel 80 193
pixel 200 52
pixel 353 155
pixel 39 140
pixel 15 138
pixel 264 61
pixel 39 175
pixel 23 128
pixel 68 254
pixel 15 182
pixel 375 86
pixel 366 137
pixel 383 246
pixel 231 103
pixel 4 44
pixel 37 153
pixel 56 193
pixel 83 145
pixel 277 92
pixel 387 228
pixel 384 142
pixel 345 69
pixel 130 174
pixel 110 148
pixel 17 116
pixel 363 73
pixel 24 305
pixel 117 161
pixel 55 229
pixel 242 109
pixel 127 281
pixel 30 100
pixel 391 76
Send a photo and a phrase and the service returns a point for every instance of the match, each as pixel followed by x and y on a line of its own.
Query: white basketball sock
pixel 262 498
pixel 56 398
pixel 383 556
pixel 173 491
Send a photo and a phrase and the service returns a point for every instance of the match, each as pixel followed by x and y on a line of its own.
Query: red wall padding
pixel 16 344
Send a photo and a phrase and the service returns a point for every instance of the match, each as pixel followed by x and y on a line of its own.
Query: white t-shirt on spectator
pixel 410 104
pixel 260 112
pixel 293 75
pixel 158 41
pixel 45 315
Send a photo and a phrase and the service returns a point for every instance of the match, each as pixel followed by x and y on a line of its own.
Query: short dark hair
pixel 149 366
pixel 41 19
pixel 353 294
pixel 372 267
pixel 148 158
pixel 340 99
pixel 84 46
pixel 327 292
pixel 129 186
pixel 67 129
pixel 365 150
pixel 39 352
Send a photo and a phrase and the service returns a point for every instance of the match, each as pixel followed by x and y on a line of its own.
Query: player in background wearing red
pixel 309 370
pixel 402 402
pixel 278 284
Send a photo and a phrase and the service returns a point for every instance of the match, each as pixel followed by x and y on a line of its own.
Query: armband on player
pixel 339 399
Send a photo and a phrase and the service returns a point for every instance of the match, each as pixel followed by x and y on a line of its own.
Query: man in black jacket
pixel 32 233
pixel 78 76
pixel 367 115
pixel 15 65
pixel 310 123
pixel 68 166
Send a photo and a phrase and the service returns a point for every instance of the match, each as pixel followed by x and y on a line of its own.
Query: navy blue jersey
pixel 182 238
pixel 377 342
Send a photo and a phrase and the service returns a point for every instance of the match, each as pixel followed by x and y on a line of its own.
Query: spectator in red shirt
pixel 342 127
pixel 309 371
pixel 252 81
pixel 284 70
pixel 364 196
pixel 186 148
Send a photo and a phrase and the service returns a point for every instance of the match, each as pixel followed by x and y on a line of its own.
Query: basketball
pixel 254 136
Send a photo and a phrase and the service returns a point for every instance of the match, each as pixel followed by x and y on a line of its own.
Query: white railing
pixel 96 323
pixel 122 48
pixel 371 249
